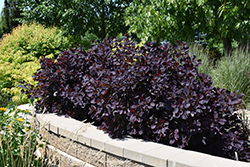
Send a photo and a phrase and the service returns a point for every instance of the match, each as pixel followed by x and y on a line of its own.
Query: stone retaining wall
pixel 75 144
pixel 85 142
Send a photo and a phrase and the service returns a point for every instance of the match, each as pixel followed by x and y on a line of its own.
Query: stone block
pixel 135 152
pixel 213 161
pixel 116 146
pixel 186 159
pixel 92 156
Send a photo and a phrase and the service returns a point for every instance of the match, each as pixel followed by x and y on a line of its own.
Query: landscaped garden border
pixel 85 142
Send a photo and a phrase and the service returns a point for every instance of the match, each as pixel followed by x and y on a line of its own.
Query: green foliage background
pixel 101 17
pixel 222 21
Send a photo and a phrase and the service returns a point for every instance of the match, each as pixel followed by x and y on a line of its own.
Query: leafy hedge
pixel 151 92
pixel 87 39
pixel 20 52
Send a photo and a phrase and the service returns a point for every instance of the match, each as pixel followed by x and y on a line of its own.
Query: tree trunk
pixel 103 32
pixel 103 26
pixel 227 46
pixel 242 46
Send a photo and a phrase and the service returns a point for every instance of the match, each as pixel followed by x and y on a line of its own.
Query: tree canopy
pixel 173 20
pixel 9 14
pixel 160 19
pixel 76 17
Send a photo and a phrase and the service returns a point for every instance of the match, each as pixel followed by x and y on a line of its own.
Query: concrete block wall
pixel 85 142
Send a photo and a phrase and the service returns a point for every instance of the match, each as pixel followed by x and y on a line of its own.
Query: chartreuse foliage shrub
pixel 159 97
pixel 20 51
pixel 11 74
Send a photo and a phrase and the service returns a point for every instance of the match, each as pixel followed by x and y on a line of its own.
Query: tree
pixel 15 13
pixel 77 17
pixel 178 20
pixel 162 19
pixel 236 14
pixel 69 15
pixel 7 18
pixel 10 13
pixel 108 15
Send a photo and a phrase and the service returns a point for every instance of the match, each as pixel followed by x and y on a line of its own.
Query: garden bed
pixel 85 142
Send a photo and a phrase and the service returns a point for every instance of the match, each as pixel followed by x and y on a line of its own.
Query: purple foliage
pixel 153 92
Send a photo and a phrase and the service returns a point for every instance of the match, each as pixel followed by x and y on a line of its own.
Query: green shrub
pixel 228 72
pixel 33 40
pixel 231 73
pixel 20 51
pixel 200 53
pixel 214 55
pixel 119 36
pixel 87 40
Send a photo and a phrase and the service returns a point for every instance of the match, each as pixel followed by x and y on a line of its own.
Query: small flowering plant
pixel 17 137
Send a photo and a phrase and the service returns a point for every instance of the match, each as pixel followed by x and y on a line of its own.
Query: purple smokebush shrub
pixel 61 85
pixel 152 92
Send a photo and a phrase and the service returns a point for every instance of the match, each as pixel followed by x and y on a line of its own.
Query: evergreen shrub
pixel 150 92
pixel 87 40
